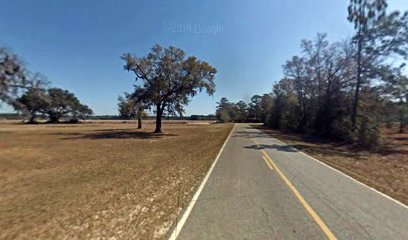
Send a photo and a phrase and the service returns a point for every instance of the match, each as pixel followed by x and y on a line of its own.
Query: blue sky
pixel 76 44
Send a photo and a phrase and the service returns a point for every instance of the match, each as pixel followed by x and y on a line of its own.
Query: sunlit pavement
pixel 261 188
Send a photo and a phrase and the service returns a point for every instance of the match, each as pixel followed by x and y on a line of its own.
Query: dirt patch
pixel 100 180
pixel 385 169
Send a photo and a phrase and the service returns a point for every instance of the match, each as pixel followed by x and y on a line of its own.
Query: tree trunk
pixel 139 117
pixel 357 90
pixel 139 123
pixel 32 118
pixel 54 118
pixel 401 120
pixel 159 113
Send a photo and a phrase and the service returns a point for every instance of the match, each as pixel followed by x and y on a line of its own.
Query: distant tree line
pixel 256 110
pixel 11 116
pixel 27 93
pixel 342 90
pixel 203 117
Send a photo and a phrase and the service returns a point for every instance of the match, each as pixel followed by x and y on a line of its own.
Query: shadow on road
pixel 305 148
pixel 250 134
pixel 282 148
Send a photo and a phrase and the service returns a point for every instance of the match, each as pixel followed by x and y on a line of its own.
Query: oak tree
pixel 168 78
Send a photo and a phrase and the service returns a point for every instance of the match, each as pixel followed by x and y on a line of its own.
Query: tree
pixel 56 103
pixel 169 78
pixel 266 106
pixel 296 70
pixel 232 112
pixel 33 102
pixel 373 26
pixel 308 99
pixel 314 95
pixel 280 95
pixel 395 89
pixel 126 107
pixel 141 100
pixel 362 13
pixel 63 103
pixel 255 108
pixel 223 111
pixel 131 106
pixel 255 111
pixel 242 111
pixel 14 78
pixel 368 134
pixel 80 111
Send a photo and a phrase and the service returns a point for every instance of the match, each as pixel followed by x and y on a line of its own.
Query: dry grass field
pixel 385 169
pixel 100 180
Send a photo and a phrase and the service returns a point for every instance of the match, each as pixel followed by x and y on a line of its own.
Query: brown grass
pixel 385 169
pixel 100 179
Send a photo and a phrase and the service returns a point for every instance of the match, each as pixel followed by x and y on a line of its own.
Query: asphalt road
pixel 261 188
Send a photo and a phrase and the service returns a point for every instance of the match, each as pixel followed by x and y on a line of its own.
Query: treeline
pixel 11 116
pixel 341 90
pixel 256 110
pixel 28 93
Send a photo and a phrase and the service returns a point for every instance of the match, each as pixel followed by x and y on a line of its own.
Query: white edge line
pixel 342 173
pixel 179 224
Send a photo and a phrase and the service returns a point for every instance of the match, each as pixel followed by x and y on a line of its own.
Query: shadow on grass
pixel 111 130
pixel 115 134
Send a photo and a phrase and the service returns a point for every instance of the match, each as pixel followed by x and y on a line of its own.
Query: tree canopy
pixel 256 111
pixel 166 78
pixel 378 35
pixel 55 103
pixel 15 78
pixel 317 92
pixel 26 92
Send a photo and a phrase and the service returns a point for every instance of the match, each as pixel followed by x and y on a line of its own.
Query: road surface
pixel 261 188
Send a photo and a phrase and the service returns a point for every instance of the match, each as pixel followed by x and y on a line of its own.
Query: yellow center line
pixel 308 208
pixel 267 162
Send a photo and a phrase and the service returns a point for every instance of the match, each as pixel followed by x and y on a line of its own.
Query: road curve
pixel 261 188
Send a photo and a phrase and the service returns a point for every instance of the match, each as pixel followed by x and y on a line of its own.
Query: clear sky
pixel 76 44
